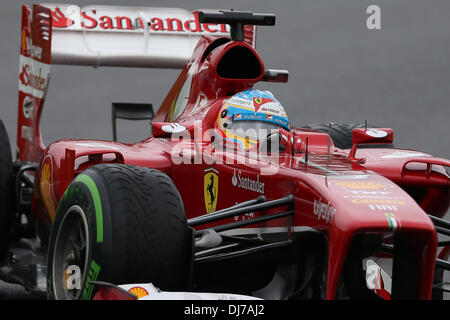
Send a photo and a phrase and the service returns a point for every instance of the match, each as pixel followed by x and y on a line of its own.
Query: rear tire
pixel 6 191
pixel 131 229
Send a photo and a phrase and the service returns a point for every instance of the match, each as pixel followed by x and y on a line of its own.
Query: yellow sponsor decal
pixel 139 292
pixel 24 40
pixel 211 189
pixel 357 185
pixel 378 201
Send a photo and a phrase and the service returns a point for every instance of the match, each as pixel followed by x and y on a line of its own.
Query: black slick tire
pixel 136 231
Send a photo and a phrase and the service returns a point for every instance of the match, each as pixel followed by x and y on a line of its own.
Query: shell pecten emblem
pixel 45 186
pixel 139 292
pixel 211 189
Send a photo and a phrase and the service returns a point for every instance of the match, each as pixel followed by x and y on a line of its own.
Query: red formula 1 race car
pixel 226 195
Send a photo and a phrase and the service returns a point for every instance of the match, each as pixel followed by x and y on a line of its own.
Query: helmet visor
pixel 257 130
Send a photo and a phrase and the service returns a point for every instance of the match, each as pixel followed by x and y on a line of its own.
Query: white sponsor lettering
pixel 240 102
pixel 383 207
pixel 33 76
pixel 247 183
pixel 324 211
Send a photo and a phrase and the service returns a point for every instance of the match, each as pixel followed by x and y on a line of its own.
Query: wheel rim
pixel 71 249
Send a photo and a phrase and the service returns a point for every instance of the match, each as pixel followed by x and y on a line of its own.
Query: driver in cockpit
pixel 248 118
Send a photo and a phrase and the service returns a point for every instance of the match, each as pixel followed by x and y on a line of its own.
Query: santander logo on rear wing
pixel 99 36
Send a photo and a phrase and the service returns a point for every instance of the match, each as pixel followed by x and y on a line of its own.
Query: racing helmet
pixel 248 117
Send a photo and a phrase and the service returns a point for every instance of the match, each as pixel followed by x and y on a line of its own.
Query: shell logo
pixel 139 292
pixel 45 186
pixel 354 185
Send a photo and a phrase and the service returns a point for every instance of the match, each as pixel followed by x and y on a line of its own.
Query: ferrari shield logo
pixel 258 100
pixel 210 188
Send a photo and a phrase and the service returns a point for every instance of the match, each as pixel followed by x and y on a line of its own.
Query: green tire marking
pixel 93 272
pixel 97 202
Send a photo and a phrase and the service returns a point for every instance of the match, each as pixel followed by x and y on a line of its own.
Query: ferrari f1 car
pixel 226 195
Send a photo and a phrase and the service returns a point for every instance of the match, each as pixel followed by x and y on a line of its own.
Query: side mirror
pixel 166 129
pixel 271 75
pixel 370 136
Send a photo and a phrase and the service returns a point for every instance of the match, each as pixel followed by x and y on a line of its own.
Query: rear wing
pixel 98 35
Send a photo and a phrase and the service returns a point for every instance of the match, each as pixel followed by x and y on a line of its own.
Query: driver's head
pixel 248 117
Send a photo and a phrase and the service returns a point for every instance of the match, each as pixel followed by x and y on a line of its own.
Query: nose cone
pixel 372 204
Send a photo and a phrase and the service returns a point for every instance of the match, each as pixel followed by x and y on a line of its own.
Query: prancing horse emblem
pixel 210 188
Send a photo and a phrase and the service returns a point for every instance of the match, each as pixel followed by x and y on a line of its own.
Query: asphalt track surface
pixel 396 77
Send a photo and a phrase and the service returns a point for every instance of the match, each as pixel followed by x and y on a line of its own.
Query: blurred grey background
pixel 340 71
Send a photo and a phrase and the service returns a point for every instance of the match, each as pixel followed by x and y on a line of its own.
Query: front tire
pixel 119 224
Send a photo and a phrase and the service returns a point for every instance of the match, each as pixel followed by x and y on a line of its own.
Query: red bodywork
pixel 339 195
